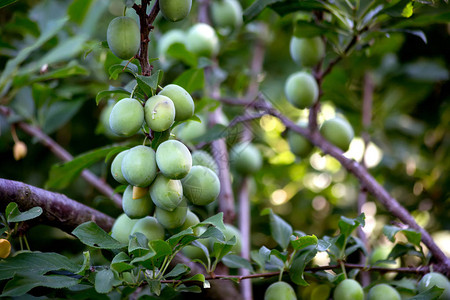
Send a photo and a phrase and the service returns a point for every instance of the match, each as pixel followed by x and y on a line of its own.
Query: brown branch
pixel 62 154
pixel 58 210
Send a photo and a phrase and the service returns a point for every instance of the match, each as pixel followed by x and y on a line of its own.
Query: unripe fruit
pixel 348 289
pixel 127 117
pixel 201 186
pixel 174 159
pixel 231 231
pixel 166 193
pixel 19 150
pixel 301 89
pixel 381 253
pixel 435 279
pixel 307 52
pixel 226 13
pixel 104 120
pixel 280 291
pixel 136 208
pixel 149 227
pixel 172 219
pixel 175 10
pixel 383 292
pixel 5 248
pixel 246 158
pixel 139 166
pixel 191 220
pixel 159 113
pixel 202 40
pixel 116 168
pixel 122 227
pixel 202 158
pixel 298 144
pixel 184 104
pixel 338 131
pixel 190 130
pixel 168 39
pixel 123 37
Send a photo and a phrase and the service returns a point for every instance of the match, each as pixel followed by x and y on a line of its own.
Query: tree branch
pixel 62 154
pixel 58 210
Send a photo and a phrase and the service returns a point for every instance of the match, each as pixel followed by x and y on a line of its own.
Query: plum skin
pixel 123 37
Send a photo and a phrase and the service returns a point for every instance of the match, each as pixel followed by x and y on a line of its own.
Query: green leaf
pixel 298 243
pixel 115 151
pixel 281 7
pixel 179 51
pixel 161 248
pixel 256 8
pixel 72 69
pixel 120 263
pixel 432 293
pixel 222 249
pixel 216 220
pixel 281 231
pixel 298 266
pixel 258 258
pixel 24 282
pixel 105 281
pixel 234 261
pixel 306 29
pixel 107 93
pixel 191 80
pixel 115 70
pixel 58 114
pixel 61 175
pixel 86 263
pixel 159 138
pixel 149 83
pixel 400 8
pixel 6 3
pixel 78 10
pixel 196 277
pixel 155 286
pixel 178 270
pixel 347 226
pixel 35 263
pixel 13 214
pixel 138 244
pixel 92 235
pixel 413 236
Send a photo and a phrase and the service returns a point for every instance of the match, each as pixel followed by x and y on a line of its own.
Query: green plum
pixel 169 38
pixel 122 227
pixel 175 10
pixel 202 40
pixel 104 126
pixel 159 113
pixel 435 279
pixel 226 13
pixel 348 289
pixel 136 208
pixel 246 158
pixel 116 168
pixel 184 104
pixel 203 158
pixel 298 144
pixel 280 291
pixel 383 292
pixel 174 159
pixel 301 89
pixel 201 186
pixel 382 253
pixel 231 231
pixel 150 227
pixel 172 219
pixel 307 52
pixel 123 37
pixel 127 117
pixel 191 220
pixel 166 193
pixel 139 166
pixel 189 131
pixel 338 131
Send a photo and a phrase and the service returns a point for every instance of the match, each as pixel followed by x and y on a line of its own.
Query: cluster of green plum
pixel 302 91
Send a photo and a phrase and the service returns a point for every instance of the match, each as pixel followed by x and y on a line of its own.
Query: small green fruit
pixel 159 113
pixel 174 159
pixel 348 289
pixel 104 126
pixel 246 158
pixel 136 208
pixel 123 37
pixel 191 220
pixel 226 13
pixel 127 117
pixel 298 144
pixel 307 52
pixel 189 131
pixel 149 227
pixel 383 292
pixel 338 131
pixel 435 279
pixel 184 104
pixel 202 40
pixel 116 168
pixel 230 232
pixel 168 39
pixel 201 186
pixel 166 193
pixel 139 166
pixel 122 227
pixel 175 10
pixel 280 291
pixel 172 219
pixel 202 158
pixel 301 89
